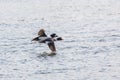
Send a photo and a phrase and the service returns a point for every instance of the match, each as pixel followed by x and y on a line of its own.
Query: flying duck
pixel 43 38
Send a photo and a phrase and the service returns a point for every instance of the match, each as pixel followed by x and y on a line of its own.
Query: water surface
pixel 90 49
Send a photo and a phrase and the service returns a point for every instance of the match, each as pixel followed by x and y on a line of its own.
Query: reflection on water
pixel 89 51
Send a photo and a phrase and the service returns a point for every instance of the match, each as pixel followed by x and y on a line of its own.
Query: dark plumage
pixel 53 35
pixel 42 38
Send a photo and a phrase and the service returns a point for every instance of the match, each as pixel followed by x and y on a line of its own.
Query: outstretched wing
pixel 42 33
pixel 51 45
pixel 35 39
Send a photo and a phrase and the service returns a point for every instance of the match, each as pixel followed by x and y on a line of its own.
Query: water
pixel 90 49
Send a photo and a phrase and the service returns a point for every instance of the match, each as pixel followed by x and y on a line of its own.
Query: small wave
pixel 63 70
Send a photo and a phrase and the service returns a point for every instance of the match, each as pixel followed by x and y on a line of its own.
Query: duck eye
pixel 56 36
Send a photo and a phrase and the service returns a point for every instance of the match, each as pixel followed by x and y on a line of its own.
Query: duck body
pixel 43 38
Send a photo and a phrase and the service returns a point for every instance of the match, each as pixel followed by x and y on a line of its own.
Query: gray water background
pixel 90 49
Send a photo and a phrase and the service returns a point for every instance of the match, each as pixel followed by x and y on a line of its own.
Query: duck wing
pixel 35 39
pixel 51 45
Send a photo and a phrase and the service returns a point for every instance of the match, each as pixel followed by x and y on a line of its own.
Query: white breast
pixel 42 39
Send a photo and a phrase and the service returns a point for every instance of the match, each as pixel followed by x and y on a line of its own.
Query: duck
pixel 43 38
pixel 55 37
